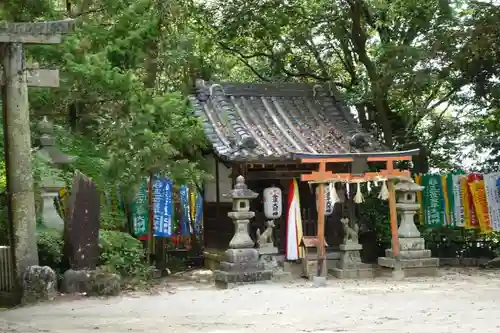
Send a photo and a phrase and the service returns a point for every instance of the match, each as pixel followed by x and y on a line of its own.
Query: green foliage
pixel 112 218
pixel 374 217
pixel 4 224
pixel 123 254
pixel 50 247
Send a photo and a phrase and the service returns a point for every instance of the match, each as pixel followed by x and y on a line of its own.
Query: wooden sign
pixel 38 78
pixel 34 33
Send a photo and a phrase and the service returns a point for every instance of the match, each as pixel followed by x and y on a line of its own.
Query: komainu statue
pixel 266 238
pixel 350 234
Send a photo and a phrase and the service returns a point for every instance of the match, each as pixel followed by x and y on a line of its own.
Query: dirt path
pixel 458 302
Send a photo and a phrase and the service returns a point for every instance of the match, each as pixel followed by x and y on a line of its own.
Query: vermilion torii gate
pixel 323 176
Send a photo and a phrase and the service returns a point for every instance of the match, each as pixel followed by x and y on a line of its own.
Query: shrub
pixel 123 254
pixel 50 248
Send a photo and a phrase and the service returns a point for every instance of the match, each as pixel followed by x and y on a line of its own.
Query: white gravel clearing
pixel 460 301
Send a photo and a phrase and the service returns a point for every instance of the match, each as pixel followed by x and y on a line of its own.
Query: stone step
pixel 241 267
pixel 409 263
pixel 365 271
pixel 222 277
pixel 415 254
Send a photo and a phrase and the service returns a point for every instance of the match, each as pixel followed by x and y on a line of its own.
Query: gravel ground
pixel 459 301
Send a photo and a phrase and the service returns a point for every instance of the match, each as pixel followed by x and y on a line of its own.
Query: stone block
pixel 415 254
pixel 226 280
pixel 294 268
pixel 319 281
pixel 364 271
pixel 413 267
pixel 310 268
pixel 281 276
pixel 241 267
pixel 266 250
pixel 398 274
pixel 91 282
pixel 411 244
pixel 409 263
pixel 241 255
pixel 39 283
pixel 212 259
pixel 350 247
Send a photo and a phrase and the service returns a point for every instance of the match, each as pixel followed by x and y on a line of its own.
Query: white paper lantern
pixel 272 203
pixel 328 200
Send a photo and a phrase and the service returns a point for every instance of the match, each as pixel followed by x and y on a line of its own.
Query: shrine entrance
pixel 359 172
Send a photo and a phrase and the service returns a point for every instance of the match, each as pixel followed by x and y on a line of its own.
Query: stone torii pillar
pixel 16 76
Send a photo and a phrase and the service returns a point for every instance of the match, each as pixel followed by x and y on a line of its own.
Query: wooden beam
pixel 38 78
pixel 34 33
pixel 388 159
pixel 347 177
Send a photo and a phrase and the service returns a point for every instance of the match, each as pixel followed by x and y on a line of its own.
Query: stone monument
pixel 50 184
pixel 241 262
pixel 350 265
pixel 415 259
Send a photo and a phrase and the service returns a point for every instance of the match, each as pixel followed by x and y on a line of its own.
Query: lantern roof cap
pixel 408 186
pixel 241 190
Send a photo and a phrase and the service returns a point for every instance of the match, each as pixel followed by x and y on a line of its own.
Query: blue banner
pixel 162 207
pixel 185 218
pixel 198 225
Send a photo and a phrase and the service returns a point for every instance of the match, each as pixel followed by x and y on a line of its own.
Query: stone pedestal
pixel 241 263
pixel 349 265
pixel 414 258
pixel 241 266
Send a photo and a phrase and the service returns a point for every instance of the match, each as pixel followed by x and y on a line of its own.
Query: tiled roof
pixel 256 122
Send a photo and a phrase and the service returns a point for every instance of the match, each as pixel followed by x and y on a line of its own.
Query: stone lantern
pixel 407 206
pixel 241 262
pixel 415 259
pixel 50 184
pixel 241 214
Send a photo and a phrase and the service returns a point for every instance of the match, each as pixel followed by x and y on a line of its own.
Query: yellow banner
pixel 465 192
pixel 481 205
pixel 421 217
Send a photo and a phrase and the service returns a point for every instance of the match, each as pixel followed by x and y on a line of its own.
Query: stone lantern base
pixel 241 266
pixel 415 259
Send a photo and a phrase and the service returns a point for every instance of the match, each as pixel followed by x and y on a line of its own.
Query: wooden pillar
pixel 321 229
pixel 393 215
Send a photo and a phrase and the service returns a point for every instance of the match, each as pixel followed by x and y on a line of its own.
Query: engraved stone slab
pixel 411 244
pixel 36 33
pixel 241 255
